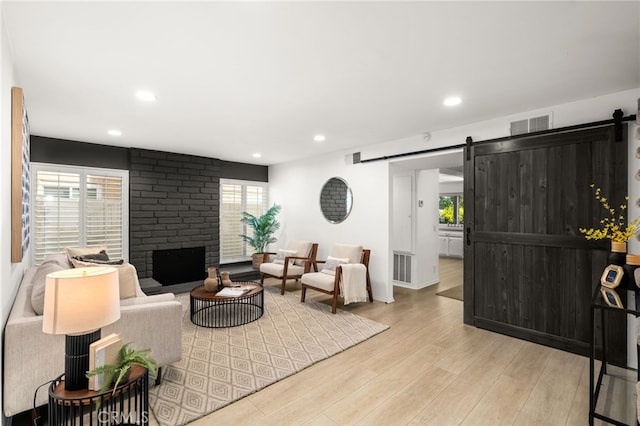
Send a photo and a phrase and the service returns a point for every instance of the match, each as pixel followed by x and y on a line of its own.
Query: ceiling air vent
pixel 529 125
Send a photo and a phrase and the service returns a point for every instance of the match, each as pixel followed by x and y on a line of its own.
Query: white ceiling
pixel 234 78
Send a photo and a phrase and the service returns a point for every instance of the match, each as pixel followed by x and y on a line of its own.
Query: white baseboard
pixel 416 286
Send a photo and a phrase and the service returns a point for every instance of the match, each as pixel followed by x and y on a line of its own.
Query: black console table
pixel 600 308
pixel 128 404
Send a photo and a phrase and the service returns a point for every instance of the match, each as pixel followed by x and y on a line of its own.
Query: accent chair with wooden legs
pixel 289 263
pixel 346 272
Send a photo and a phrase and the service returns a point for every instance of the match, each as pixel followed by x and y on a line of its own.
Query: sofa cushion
pixel 60 258
pixel 83 251
pixel 156 298
pixel 85 261
pixel 39 280
pixel 102 256
pixel 127 276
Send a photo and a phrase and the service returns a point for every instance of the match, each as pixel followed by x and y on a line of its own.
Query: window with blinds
pixel 236 197
pixel 78 207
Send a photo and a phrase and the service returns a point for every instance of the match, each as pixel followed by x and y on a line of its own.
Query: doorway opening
pixel 422 230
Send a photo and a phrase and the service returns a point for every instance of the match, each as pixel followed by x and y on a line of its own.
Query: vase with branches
pixel 614 225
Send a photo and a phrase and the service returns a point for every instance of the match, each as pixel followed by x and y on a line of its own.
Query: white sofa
pixel 32 357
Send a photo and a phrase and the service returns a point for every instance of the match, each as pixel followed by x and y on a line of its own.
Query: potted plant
pixel 263 228
pixel 115 374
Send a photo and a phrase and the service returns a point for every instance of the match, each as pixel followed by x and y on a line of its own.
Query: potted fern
pixel 115 374
pixel 263 228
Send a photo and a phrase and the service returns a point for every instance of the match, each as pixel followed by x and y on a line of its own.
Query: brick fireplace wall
pixel 174 204
pixel 173 198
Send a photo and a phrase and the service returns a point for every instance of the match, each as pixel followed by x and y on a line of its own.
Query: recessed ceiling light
pixel 114 132
pixel 257 155
pixel 319 138
pixel 145 96
pixel 452 101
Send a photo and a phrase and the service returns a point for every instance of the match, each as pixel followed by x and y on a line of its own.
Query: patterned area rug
pixel 220 366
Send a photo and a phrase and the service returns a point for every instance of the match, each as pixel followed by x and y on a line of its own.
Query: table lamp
pixel 77 303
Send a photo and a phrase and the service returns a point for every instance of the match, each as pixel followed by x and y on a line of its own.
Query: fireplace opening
pixel 177 266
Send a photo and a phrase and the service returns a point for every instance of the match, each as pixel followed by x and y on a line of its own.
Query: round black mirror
pixel 336 200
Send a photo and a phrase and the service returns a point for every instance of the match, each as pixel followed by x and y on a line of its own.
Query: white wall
pixel 10 274
pixel 296 186
pixel 587 110
pixel 427 249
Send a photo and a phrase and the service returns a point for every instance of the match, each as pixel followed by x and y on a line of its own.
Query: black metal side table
pixel 128 404
pixel 599 304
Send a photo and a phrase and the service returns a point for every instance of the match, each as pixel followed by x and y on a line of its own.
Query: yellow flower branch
pixel 613 226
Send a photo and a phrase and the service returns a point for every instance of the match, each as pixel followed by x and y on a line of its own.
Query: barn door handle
pixel 468 236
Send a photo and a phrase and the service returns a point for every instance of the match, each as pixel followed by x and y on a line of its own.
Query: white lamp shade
pixel 80 300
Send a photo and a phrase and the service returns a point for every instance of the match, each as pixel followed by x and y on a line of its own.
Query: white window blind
pixel 231 246
pixel 77 207
pixel 236 197
pixel 56 213
pixel 104 213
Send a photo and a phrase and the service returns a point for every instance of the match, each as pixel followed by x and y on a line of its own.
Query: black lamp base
pixel 76 360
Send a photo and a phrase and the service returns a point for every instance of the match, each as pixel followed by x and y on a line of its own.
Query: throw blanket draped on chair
pixel 353 285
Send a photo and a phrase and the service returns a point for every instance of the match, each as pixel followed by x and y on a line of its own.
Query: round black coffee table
pixel 213 311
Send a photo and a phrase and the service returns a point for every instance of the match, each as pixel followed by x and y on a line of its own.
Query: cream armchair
pixel 289 263
pixel 346 272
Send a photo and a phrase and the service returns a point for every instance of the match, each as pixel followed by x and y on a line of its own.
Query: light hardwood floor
pixel 429 368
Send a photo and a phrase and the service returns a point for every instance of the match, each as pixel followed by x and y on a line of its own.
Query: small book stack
pixel 103 352
pixel 233 291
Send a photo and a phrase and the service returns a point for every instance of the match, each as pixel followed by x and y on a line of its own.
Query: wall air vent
pixel 402 267
pixel 529 125
pixel 350 159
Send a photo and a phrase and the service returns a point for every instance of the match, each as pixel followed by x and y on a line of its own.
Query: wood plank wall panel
pixel 539 166
pixel 533 273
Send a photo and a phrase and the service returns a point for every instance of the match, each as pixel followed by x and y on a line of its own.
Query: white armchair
pixel 346 272
pixel 289 263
